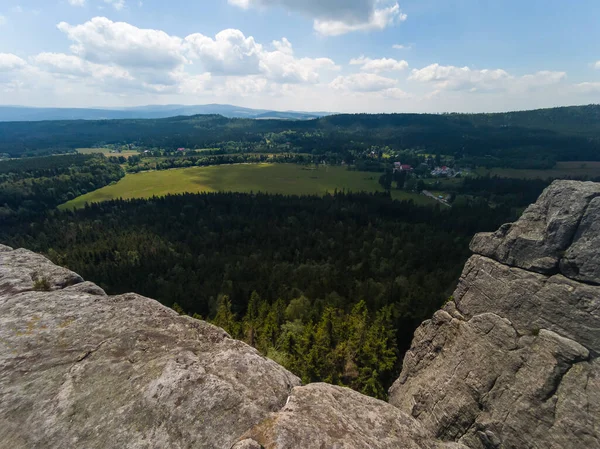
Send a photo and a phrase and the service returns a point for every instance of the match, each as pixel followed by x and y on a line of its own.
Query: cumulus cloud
pixel 10 62
pixel 232 53
pixel 587 88
pixel 101 40
pixel 13 71
pixel 74 66
pixel 335 17
pixel 379 20
pixel 77 2
pixel 597 65
pixel 467 79
pixel 379 65
pixel 363 82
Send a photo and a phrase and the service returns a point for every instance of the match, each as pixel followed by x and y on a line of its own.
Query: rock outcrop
pixel 510 362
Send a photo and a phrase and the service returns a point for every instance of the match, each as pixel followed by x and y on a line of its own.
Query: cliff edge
pixel 510 362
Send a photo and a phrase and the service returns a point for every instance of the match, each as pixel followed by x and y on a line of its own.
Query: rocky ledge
pixel 509 362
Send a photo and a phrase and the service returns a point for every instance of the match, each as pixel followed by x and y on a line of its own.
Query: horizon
pixel 326 113
pixel 375 56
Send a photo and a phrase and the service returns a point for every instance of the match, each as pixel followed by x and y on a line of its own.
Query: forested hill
pixel 542 136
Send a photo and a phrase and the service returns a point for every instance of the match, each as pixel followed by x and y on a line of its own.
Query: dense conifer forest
pixel 331 287
pixel 529 139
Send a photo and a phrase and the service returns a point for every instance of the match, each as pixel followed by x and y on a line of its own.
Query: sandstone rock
pixel 513 362
pixel 246 444
pixel 582 259
pixel 22 270
pixel 531 301
pixel 325 416
pixel 538 240
pixel 82 370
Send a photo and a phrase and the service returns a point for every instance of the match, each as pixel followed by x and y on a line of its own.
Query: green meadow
pixel 106 152
pixel 288 179
pixel 577 169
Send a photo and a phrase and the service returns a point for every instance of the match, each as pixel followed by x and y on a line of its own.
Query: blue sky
pixel 336 55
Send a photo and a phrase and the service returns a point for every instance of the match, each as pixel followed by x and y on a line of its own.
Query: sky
pixel 305 55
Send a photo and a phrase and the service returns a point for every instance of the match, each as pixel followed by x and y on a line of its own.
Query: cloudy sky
pixel 332 55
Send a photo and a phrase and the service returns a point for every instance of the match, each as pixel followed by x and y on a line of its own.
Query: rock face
pixel 510 362
pixel 82 369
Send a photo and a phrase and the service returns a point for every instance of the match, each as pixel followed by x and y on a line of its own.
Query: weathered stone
pixel 582 259
pixel 512 361
pixel 246 444
pixel 531 301
pixel 81 370
pixel 22 270
pixel 325 416
pixel 538 240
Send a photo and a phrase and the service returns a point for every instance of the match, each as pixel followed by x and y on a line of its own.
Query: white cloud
pixel 335 17
pixel 379 20
pixel 363 82
pixel 77 2
pixel 10 62
pixel 597 65
pixel 466 79
pixel 232 53
pixel 117 4
pixel 587 88
pixel 101 40
pixel 379 65
pixel 75 66
pixel 402 47
pixel 2 20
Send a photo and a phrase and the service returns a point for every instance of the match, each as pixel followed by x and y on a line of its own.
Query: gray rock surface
pixel 325 416
pixel 582 259
pixel 512 360
pixel 92 371
pixel 540 238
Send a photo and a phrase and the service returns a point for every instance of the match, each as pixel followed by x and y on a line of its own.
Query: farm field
pixel 288 179
pixel 562 169
pixel 106 152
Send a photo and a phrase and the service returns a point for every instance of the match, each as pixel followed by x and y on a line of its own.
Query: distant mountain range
pixel 23 113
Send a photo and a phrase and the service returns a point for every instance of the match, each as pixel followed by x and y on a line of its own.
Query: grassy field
pixel 562 169
pixel 287 179
pixel 106 152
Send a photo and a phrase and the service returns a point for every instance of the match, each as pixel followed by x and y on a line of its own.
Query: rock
pixel 22 270
pixel 83 370
pixel 325 416
pixel 582 259
pixel 538 240
pixel 246 444
pixel 531 301
pixel 513 362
